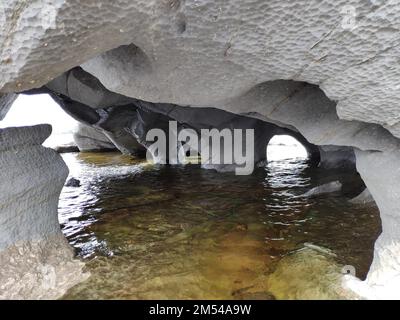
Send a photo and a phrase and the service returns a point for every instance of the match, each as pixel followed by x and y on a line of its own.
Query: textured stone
pixel 39 269
pixel 309 273
pixel 126 121
pixel 183 49
pixel 31 241
pixel 306 108
pixel 381 173
pixel 325 69
pixel 336 157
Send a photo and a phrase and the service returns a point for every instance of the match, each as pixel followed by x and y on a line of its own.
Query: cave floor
pixel 182 232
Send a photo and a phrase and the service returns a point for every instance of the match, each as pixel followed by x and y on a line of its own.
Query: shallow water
pixel 181 232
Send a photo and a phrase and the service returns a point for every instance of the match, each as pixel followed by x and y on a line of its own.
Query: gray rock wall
pixel 35 259
pixel 125 121
pixel 185 48
pixel 381 173
pixel 325 69
pixel 336 157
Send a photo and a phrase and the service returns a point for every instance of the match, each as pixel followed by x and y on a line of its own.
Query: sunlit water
pixel 181 232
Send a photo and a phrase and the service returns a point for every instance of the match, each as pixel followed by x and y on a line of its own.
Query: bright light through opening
pixel 283 147
pixel 29 110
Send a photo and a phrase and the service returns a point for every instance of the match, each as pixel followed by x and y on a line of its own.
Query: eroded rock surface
pixel 124 122
pixel 326 70
pixel 174 58
pixel 380 172
pixel 34 254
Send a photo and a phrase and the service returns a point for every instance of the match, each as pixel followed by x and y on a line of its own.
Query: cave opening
pixel 324 73
pixel 284 147
pixel 30 110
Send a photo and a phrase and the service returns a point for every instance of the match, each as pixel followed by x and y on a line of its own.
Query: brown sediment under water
pixel 182 232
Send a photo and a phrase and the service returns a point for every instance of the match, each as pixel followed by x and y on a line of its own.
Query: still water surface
pixel 181 232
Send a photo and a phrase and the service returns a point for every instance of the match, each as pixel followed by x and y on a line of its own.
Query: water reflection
pixel 166 232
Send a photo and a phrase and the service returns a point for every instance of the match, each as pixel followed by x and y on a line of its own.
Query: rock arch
pixel 293 64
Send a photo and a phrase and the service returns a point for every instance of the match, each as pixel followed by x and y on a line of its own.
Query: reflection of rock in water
pixel 307 274
pixel 323 189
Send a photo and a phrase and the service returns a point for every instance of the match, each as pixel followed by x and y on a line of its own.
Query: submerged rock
pixel 67 148
pixel 308 274
pixel 320 249
pixel 364 197
pixel 72 182
pixel 323 189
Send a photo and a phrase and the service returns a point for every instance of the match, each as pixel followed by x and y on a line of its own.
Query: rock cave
pixel 122 68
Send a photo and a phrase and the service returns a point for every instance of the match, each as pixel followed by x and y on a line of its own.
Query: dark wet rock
pixel 337 157
pixel 67 149
pixel 72 182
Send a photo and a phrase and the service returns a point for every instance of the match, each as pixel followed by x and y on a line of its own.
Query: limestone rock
pixel 30 235
pixel 380 170
pixel 325 69
pixel 174 59
pixel 67 148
